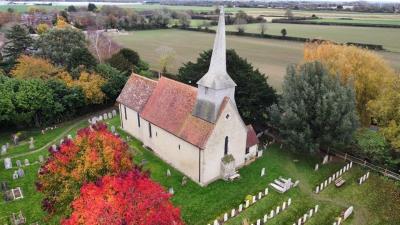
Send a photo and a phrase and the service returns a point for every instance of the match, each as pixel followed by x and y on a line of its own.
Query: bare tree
pixel 263 27
pixel 166 57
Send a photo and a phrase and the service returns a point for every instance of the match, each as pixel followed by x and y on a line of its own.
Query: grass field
pixel 268 55
pixel 388 37
pixel 372 201
pixel 359 21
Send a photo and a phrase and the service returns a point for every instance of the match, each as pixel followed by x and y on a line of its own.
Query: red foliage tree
pixel 129 198
pixel 94 153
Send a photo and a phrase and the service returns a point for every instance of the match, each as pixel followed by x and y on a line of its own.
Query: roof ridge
pixel 178 82
pixel 143 77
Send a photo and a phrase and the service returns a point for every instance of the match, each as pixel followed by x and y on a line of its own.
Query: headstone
pixel 321 187
pixel 114 112
pixel 112 129
pixel 184 181
pixel 351 164
pixel 259 153
pixel 18 162
pixel 348 212
pixel 216 222
pixel 168 173
pixel 265 218
pixel 367 174
pixel 233 212
pixel 278 209
pixel 171 190
pixel 316 208
pixel 100 118
pixel 258 222
pixel 240 207
pixel 271 215
pixel 110 115
pixel 360 181
pixel 326 183
pixel 329 180
pixel 7 163
pixel 289 201
pixel 225 217
pixel 26 162
pixel 247 204
pixel 4 186
pixel 254 199
pixel 317 189
pixel 296 183
pixel 61 141
pixel 105 116
pixel 15 175
pixel 348 166
pixel 283 206
pixel 337 174
pixel 339 220
pixel 305 218
pixel 20 172
pixel 259 195
pixel 3 149
pixel 69 136
pixel 325 160
pixel 299 222
pixel 316 167
pixel 266 191
pixel 31 144
pixel 262 172
pixel 41 159
pixel 311 212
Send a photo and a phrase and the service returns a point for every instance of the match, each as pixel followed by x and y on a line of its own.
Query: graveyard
pixel 280 187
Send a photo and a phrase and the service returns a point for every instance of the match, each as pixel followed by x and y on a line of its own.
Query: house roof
pixel 252 138
pixel 170 108
pixel 136 92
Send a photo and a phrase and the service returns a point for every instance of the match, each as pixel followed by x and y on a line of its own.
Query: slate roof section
pixel 252 138
pixel 136 92
pixel 170 108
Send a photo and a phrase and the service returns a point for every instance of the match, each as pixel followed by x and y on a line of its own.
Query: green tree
pixel 253 94
pixel 283 32
pixel 92 7
pixel 81 57
pixel 18 42
pixel 125 60
pixel 7 108
pixel 57 45
pixel 315 110
pixel 71 8
pixel 115 81
pixel 372 145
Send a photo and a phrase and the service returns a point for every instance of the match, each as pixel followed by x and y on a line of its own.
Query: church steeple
pixel 216 84
pixel 217 77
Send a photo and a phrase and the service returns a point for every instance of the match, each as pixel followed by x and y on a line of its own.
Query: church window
pixel 150 130
pixel 126 116
pixel 179 147
pixel 247 150
pixel 226 145
pixel 227 116
pixel 138 119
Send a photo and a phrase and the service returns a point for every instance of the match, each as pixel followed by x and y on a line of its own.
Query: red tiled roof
pixel 252 138
pixel 136 92
pixel 170 108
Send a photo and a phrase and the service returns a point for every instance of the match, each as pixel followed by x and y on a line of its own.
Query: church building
pixel 198 131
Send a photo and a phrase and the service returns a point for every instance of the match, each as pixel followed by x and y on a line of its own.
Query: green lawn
pixel 270 56
pixel 388 37
pixel 373 201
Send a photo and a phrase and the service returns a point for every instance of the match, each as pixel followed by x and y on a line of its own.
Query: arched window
pixel 226 145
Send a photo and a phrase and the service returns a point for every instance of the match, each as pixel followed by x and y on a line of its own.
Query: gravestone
pixel 54 147
pixel 216 222
pixel 283 206
pixel 265 218
pixel 262 172
pixel 15 139
pixel 41 159
pixel 171 190
pixel 259 195
pixel 114 112
pixel 271 215
pixel 305 218
pixel 184 180
pixel 278 209
pixel 348 212
pixel 4 186
pixel 110 115
pixel 296 183
pixel 311 212
pixel 26 162
pixel 3 149
pixel 225 217
pixel 31 144
pixel 247 204
pixel 21 172
pixel 233 212
pixel 61 141
pixel 325 160
pixel 112 129
pixel 69 136
pixel 289 201
pixel 266 191
pixel 351 164
pixel 15 175
pixel 316 167
pixel 299 222
pixel 367 175
pixel 316 208
pixel 317 189
pixel 100 118
pixel 7 163
pixel 105 116
pixel 240 207
pixel 18 162
pixel 258 222
pixel 168 173
pixel 254 199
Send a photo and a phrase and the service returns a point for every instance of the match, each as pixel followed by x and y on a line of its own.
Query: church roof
pixel 217 77
pixel 252 138
pixel 170 108
pixel 136 92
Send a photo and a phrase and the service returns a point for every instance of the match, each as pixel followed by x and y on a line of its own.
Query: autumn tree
pixel 315 111
pixel 90 83
pixel 29 67
pixel 129 198
pixel 94 153
pixel 366 70
pixel 42 28
pixel 61 23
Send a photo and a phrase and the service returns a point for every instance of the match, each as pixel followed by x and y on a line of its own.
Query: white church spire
pixel 217 77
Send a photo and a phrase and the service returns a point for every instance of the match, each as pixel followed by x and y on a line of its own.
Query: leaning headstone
pixel 348 212
pixel 113 129
pixel 168 173
pixel 262 172
pixel 247 204
pixel 31 144
pixel 26 162
pixel 18 162
pixel 325 160
pixel 21 172
pixel 367 175
pixel 110 115
pixel 41 159
pixel 316 167
pixel 296 183
pixel 7 163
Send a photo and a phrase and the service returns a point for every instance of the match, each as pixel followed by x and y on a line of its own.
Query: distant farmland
pixel 388 37
pixel 270 56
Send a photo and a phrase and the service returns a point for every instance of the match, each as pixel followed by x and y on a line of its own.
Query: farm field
pixel 359 21
pixel 201 205
pixel 270 56
pixel 388 37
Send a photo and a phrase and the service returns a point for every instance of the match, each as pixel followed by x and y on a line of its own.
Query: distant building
pixel 34 19
pixel 198 131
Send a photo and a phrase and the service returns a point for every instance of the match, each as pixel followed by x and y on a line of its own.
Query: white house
pixel 198 131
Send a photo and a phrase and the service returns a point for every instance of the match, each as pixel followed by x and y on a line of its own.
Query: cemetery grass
pixel 270 56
